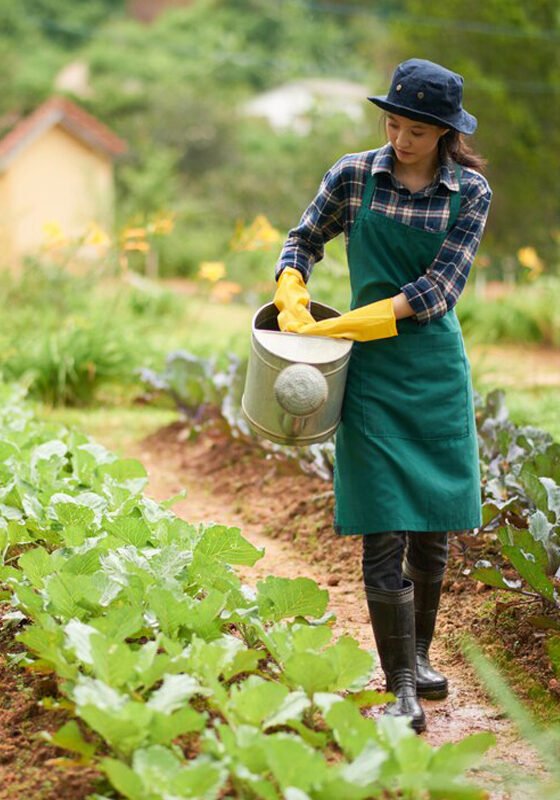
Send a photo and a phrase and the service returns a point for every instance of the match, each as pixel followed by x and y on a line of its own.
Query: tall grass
pixel 65 336
pixel 526 314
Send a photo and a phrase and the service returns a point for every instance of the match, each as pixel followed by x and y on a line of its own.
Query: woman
pixel 406 469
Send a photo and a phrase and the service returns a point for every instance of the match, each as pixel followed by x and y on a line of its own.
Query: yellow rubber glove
pixel 291 300
pixel 374 321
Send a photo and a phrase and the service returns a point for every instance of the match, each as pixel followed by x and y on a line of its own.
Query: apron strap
pixel 368 191
pixel 455 201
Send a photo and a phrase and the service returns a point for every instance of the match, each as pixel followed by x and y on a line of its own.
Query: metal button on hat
pixel 411 80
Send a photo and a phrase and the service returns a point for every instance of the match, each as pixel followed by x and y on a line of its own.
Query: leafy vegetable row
pixel 520 471
pixel 521 488
pixel 184 682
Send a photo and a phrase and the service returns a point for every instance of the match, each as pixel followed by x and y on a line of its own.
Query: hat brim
pixel 462 122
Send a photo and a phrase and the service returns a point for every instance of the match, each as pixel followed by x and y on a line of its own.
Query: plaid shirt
pixel 338 201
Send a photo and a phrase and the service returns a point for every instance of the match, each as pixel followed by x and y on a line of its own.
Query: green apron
pixel 406 447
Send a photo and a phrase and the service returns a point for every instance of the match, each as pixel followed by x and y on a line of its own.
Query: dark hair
pixel 453 145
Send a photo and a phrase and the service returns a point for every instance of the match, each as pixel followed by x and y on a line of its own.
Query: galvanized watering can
pixel 295 384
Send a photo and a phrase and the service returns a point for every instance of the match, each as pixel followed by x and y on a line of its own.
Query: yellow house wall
pixel 54 179
pixel 6 244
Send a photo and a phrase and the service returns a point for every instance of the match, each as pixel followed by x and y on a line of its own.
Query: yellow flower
pixel 528 258
pixel 53 234
pixel 141 247
pixel 161 226
pixel 134 233
pixel 212 271
pixel 259 235
pixel 225 291
pixel 96 236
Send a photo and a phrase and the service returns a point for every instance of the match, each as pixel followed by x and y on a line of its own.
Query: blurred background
pixel 154 154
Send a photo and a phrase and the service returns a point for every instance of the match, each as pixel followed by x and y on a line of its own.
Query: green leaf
pixel 311 672
pixel 351 730
pixel 113 662
pixel 132 530
pixel 174 692
pixel 156 766
pixel 208 660
pixel 292 708
pixel 123 469
pixel 364 770
pixel 123 778
pixel 533 486
pixel 7 450
pixel 171 501
pixel 69 737
pixel 243 661
pixel 171 613
pixel 49 646
pixel 36 564
pixel 530 559
pixel 78 639
pixel 202 780
pixel 540 527
pixel 83 563
pixel 70 595
pixel 125 729
pixel 280 598
pixel 552 495
pixel 73 513
pixel 485 573
pixel 293 763
pixel 310 637
pixel 255 699
pixel 352 665
pixel 228 545
pixel 164 728
pixel 27 599
pixel 197 616
pixel 369 697
pixel 119 622
pixel 94 692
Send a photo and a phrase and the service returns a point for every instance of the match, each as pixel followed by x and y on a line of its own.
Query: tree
pixel 507 51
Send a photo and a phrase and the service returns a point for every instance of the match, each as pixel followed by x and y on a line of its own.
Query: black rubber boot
pixel 392 620
pixel 430 683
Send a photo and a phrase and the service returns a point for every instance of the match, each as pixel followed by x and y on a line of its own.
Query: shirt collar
pixel 383 161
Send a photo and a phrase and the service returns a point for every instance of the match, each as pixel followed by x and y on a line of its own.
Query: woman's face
pixel 414 143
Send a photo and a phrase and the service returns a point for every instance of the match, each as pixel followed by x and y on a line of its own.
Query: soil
pixel 28 764
pixel 289 514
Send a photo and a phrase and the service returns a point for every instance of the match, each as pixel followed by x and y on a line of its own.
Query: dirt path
pixel 230 485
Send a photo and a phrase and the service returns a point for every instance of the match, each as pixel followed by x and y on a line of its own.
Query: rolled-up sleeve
pixel 321 221
pixel 438 289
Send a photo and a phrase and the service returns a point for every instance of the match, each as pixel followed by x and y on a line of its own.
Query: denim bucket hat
pixel 427 92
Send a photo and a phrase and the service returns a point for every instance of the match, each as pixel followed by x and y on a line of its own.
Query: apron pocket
pixel 416 387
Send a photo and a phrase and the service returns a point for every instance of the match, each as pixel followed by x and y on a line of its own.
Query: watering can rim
pixel 323 348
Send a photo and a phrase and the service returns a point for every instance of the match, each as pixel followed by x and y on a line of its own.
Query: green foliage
pixel 529 313
pixel 507 53
pixel 144 618
pixel 521 489
pixel 93 330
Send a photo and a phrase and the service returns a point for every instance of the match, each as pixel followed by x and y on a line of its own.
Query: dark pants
pixel 383 554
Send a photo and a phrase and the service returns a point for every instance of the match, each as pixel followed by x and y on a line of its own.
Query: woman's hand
pixel 402 307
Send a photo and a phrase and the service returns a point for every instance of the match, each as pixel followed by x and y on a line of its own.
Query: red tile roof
pixel 62 112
